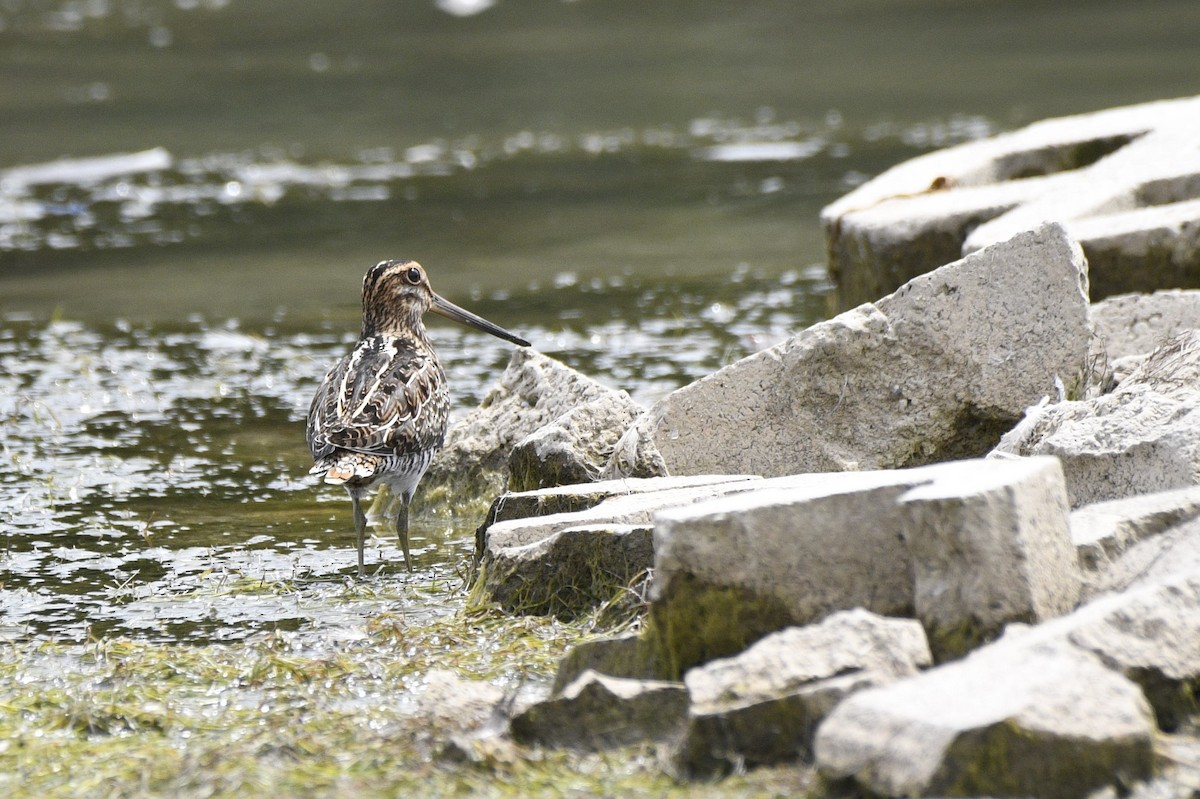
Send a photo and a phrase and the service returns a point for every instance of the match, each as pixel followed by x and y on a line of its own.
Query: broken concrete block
pixel 936 371
pixel 457 703
pixel 570 572
pixel 533 391
pixel 584 496
pixel 969 727
pixel 989 548
pixel 763 705
pixel 1103 531
pixel 730 570
pixel 1151 635
pixel 573 448
pixel 1168 555
pixel 1142 438
pixel 599 712
pixel 1124 181
pixel 1040 721
pixel 1138 324
pixel 565 564
pixel 625 655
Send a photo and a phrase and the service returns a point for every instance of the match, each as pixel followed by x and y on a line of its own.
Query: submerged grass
pixel 299 714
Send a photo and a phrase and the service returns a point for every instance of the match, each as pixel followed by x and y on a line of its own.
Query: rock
pixel 1009 720
pixel 730 570
pixel 1166 556
pixel 458 703
pixel 570 572
pixel 763 705
pixel 1137 324
pixel 584 496
pixel 565 564
pixel 989 548
pixel 976 726
pixel 1142 438
pixel 1123 181
pixel 598 712
pixel 470 717
pixel 937 371
pixel 622 656
pixel 1131 326
pixel 1151 635
pixel 1103 531
pixel 1178 776
pixel 574 447
pixel 532 392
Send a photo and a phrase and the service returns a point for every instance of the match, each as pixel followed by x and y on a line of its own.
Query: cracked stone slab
pixel 1125 182
pixel 763 705
pixel 533 391
pixel 1046 721
pixel 1142 438
pixel 598 712
pixel 1137 324
pixel 966 547
pixel 937 371
pixel 1103 531
pixel 565 563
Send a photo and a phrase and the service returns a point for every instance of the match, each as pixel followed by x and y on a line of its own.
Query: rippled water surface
pixel 190 192
pixel 155 482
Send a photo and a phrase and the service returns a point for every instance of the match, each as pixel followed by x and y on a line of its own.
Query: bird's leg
pixel 402 528
pixel 360 528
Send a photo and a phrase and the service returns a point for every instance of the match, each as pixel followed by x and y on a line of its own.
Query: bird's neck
pixel 392 321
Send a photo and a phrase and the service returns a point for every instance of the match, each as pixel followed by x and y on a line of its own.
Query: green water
pixel 634 187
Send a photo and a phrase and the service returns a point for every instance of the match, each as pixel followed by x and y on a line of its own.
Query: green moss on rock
pixel 696 622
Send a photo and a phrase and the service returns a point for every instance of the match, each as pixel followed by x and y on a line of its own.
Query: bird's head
pixel 396 294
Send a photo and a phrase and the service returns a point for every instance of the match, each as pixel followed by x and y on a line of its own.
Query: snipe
pixel 380 414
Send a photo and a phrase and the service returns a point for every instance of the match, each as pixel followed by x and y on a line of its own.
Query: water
pixel 190 192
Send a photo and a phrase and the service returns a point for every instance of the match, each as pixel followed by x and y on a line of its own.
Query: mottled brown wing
pixel 384 397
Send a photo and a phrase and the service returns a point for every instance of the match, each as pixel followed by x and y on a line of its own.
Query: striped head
pixel 396 294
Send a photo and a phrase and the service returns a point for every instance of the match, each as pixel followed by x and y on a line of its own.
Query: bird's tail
pixel 342 467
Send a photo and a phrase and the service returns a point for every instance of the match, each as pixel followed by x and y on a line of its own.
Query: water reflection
pixel 126 199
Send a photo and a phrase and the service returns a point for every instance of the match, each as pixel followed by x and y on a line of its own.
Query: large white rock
pixel 573 448
pixel 989 548
pixel 1123 181
pixel 1103 531
pixel 565 563
pixel 1038 721
pixel 1142 438
pixel 936 371
pixel 533 391
pixel 763 705
pixel 1151 634
pixel 1171 554
pixel 1058 709
pixel 996 550
pixel 1137 324
pixel 583 496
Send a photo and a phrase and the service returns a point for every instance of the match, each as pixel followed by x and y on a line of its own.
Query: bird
pixel 380 414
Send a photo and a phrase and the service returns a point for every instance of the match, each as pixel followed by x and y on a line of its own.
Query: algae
pixel 1015 761
pixel 695 623
pixel 287 715
pixel 577 571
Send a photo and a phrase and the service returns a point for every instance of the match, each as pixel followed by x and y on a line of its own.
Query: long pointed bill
pixel 445 308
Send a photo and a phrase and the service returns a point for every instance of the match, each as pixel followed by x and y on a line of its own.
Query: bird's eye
pixel 413 275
